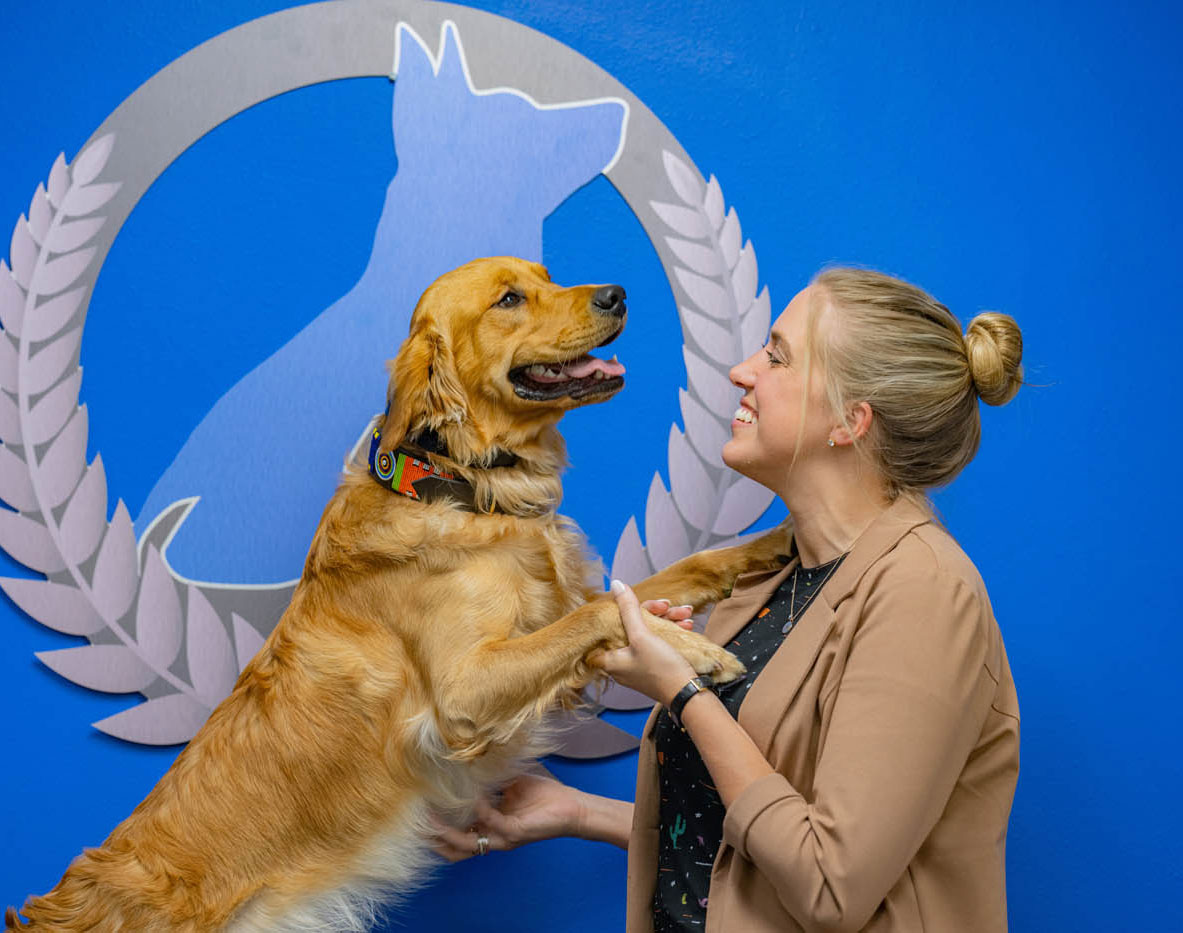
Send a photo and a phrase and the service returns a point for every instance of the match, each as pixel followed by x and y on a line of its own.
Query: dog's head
pixel 497 353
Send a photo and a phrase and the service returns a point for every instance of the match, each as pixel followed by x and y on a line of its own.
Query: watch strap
pixel 683 696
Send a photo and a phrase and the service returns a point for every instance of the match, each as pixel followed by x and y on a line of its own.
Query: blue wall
pixel 1021 157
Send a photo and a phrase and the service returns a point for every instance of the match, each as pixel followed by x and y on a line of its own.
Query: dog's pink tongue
pixel 586 365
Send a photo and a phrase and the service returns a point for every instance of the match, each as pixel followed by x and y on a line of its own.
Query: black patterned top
pixel 690 814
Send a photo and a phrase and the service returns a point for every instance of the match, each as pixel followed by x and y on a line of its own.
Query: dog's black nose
pixel 609 299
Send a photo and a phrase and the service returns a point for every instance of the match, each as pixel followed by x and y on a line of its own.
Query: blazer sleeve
pixel 907 711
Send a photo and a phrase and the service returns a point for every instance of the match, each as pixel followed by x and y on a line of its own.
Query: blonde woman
pixel 860 777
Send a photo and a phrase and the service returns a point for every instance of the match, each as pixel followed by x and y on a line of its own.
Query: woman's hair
pixel 897 348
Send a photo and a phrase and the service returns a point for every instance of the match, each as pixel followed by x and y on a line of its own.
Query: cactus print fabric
pixel 690 812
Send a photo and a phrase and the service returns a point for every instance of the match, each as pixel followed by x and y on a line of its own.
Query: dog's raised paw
pixel 722 666
pixel 703 654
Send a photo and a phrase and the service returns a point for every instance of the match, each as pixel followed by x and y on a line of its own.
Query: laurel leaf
pixel 90 161
pixel 160 626
pixel 9 363
pixel 29 542
pixel 247 640
pixel 713 339
pixel 665 535
pixel 59 606
pixel 49 317
pixel 50 413
pixel 708 294
pixel 70 236
pixel 743 503
pixel 730 238
pixel 59 181
pixel 754 323
pixel 166 720
pixel 63 462
pixel 703 429
pixel 87 199
pixel 630 562
pixel 12 301
pixel 86 515
pixel 10 421
pixel 23 252
pixel 211 657
pixel 704 260
pixel 744 277
pixel 116 572
pixel 16 488
pixel 57 275
pixel 619 697
pixel 47 367
pixel 712 203
pixel 40 214
pixel 712 387
pixel 685 220
pixel 582 736
pixel 683 178
pixel 107 668
pixel 690 483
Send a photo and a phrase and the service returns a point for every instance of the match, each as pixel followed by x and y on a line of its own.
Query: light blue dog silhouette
pixel 478 172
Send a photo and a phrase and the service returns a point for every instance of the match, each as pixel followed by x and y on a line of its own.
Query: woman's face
pixel 780 416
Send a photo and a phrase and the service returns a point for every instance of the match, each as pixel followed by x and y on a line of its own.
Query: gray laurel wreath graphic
pixel 182 644
pixel 723 320
pixel 96 582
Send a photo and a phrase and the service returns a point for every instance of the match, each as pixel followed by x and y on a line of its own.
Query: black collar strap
pixel 430 442
pixel 408 471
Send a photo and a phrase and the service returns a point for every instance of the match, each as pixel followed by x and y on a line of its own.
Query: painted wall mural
pixel 199 294
pixel 178 603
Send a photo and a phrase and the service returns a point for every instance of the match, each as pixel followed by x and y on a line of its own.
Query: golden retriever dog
pixel 429 634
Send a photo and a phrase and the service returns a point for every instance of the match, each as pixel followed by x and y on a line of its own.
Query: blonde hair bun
pixel 994 346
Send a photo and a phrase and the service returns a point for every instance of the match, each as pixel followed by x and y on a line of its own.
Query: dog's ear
pixel 425 390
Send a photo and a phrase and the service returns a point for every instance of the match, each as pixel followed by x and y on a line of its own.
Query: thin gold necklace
pixel 794 616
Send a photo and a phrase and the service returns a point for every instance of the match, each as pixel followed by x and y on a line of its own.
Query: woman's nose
pixel 741 374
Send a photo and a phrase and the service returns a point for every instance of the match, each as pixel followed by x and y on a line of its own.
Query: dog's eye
pixel 510 300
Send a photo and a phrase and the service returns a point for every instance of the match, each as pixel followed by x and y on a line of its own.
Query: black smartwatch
pixel 696 686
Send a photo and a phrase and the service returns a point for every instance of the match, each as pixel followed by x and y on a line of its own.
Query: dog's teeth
pixel 537 370
pixel 598 374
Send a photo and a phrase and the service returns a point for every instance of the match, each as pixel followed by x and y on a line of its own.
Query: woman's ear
pixel 424 390
pixel 858 423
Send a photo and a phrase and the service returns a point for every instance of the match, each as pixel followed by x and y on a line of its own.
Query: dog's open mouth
pixel 578 378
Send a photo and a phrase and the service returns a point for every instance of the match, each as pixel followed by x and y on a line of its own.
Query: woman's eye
pixel 510 300
pixel 772 360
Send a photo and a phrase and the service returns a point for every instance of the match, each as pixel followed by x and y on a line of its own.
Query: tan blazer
pixel 890 716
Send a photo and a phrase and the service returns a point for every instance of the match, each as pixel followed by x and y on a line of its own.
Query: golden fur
pixel 416 660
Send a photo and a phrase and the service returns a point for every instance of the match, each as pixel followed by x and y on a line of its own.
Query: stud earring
pixel 830 442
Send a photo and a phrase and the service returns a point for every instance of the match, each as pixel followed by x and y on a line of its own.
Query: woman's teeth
pixel 745 415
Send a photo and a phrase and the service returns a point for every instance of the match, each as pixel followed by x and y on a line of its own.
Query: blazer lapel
pixel 762 709
pixel 776 687
pixel 750 592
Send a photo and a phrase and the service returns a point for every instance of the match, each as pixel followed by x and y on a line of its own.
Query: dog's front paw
pixel 769 551
pixel 703 654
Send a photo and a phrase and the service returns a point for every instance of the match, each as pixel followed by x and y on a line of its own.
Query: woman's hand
pixel 532 808
pixel 647 664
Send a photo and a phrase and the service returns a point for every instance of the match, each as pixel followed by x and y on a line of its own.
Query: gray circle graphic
pixel 99 581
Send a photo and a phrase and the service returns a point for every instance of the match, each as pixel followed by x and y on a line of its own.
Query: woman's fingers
pixel 456 845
